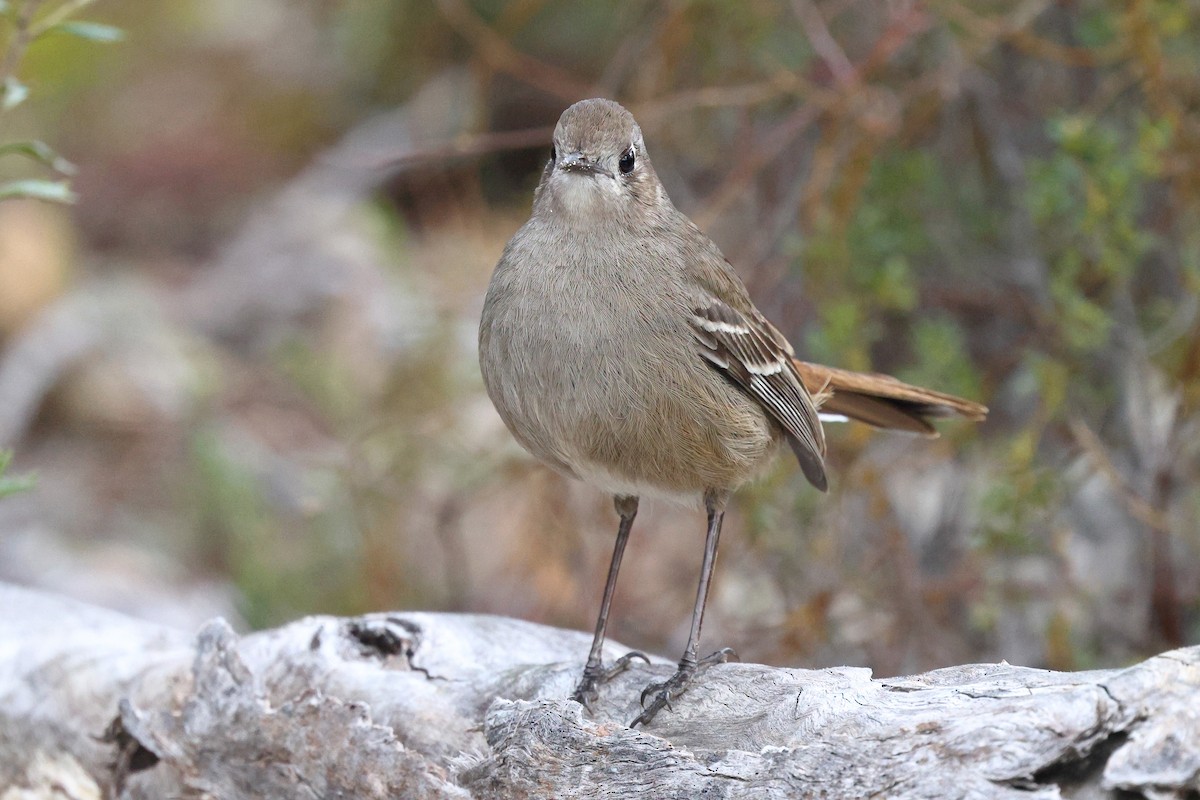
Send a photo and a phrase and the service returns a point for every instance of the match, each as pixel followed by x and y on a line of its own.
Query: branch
pixel 458 706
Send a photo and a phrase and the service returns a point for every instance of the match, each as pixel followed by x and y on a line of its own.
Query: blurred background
pixel 241 365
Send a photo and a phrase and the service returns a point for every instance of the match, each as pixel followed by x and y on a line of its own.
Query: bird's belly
pixel 668 440
pixel 622 410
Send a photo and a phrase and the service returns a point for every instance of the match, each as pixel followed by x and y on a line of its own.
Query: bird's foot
pixel 670 689
pixel 596 674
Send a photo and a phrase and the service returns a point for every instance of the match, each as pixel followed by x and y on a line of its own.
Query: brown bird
pixel 620 348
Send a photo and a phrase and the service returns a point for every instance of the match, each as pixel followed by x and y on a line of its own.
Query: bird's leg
pixel 594 672
pixel 691 665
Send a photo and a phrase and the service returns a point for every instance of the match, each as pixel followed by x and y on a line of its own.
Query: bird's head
pixel 598 164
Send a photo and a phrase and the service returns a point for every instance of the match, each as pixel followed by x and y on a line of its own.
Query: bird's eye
pixel 553 155
pixel 628 161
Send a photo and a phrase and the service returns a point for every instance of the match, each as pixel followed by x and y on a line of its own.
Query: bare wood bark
pixel 95 704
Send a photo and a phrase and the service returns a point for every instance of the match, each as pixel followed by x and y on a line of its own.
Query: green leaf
pixel 39 151
pixel 14 93
pixel 92 31
pixel 50 191
pixel 12 485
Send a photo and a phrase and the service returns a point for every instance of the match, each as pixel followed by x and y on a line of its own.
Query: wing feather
pixel 758 359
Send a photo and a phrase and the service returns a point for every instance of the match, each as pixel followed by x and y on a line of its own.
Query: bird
pixel 621 348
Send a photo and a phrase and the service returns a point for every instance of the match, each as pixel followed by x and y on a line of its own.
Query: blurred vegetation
pixel 253 334
pixel 8 484
pixel 24 23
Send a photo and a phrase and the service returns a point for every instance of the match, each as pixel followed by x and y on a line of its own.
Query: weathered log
pixel 95 704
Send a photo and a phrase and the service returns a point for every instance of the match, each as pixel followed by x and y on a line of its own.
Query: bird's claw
pixel 722 656
pixel 664 692
pixel 622 663
pixel 594 675
pixel 677 684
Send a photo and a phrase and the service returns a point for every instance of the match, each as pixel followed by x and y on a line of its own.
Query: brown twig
pixel 823 43
pixel 899 31
pixel 1137 505
pixel 631 52
pixel 749 94
pixel 1015 30
pixel 500 55
pixel 464 146
pixel 747 168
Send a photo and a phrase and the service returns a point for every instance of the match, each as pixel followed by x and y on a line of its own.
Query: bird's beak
pixel 578 162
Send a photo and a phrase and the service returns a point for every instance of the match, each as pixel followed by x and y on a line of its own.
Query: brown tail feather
pixel 883 401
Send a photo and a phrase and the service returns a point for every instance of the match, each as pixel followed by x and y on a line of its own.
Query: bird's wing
pixel 757 358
